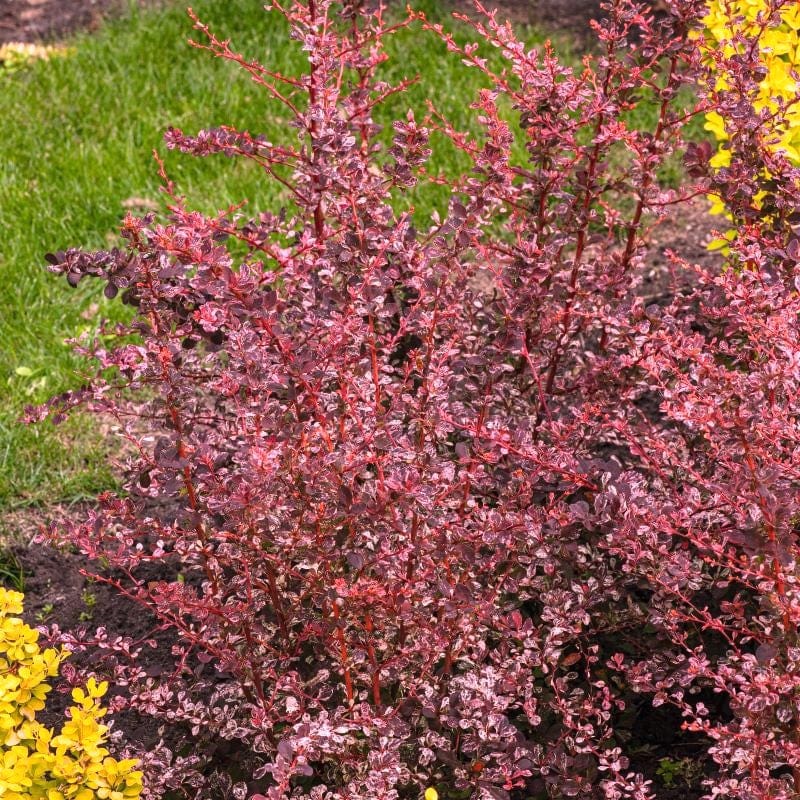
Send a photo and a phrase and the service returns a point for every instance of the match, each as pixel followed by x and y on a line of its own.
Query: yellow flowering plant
pixel 35 761
pixel 764 35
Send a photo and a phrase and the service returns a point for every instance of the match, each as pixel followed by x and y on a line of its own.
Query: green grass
pixel 77 142
pixel 76 145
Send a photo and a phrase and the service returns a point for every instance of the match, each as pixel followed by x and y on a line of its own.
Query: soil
pixel 686 232
pixel 56 593
pixel 48 20
pixel 568 16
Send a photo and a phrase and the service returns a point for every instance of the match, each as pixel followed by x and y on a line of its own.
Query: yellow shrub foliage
pixel 35 762
pixel 778 45
pixel 730 26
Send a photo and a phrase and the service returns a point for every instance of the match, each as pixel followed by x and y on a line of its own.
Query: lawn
pixel 76 150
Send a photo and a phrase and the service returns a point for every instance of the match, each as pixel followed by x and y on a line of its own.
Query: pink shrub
pixel 447 505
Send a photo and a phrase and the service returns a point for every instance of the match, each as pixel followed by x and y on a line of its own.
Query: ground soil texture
pixel 49 20
pixel 57 593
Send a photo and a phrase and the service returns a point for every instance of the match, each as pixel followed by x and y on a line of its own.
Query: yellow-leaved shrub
pixel 730 26
pixel 35 761
pixel 733 25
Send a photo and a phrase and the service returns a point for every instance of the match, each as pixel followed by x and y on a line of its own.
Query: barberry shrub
pixel 35 762
pixel 454 505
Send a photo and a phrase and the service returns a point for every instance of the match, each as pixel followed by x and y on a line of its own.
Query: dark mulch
pixel 57 593
pixel 49 20
pixel 685 231
pixel 569 16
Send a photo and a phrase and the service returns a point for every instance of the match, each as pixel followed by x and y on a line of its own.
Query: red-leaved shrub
pixel 455 504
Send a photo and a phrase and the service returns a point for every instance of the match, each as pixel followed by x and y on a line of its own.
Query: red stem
pixel 373 660
pixel 343 654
